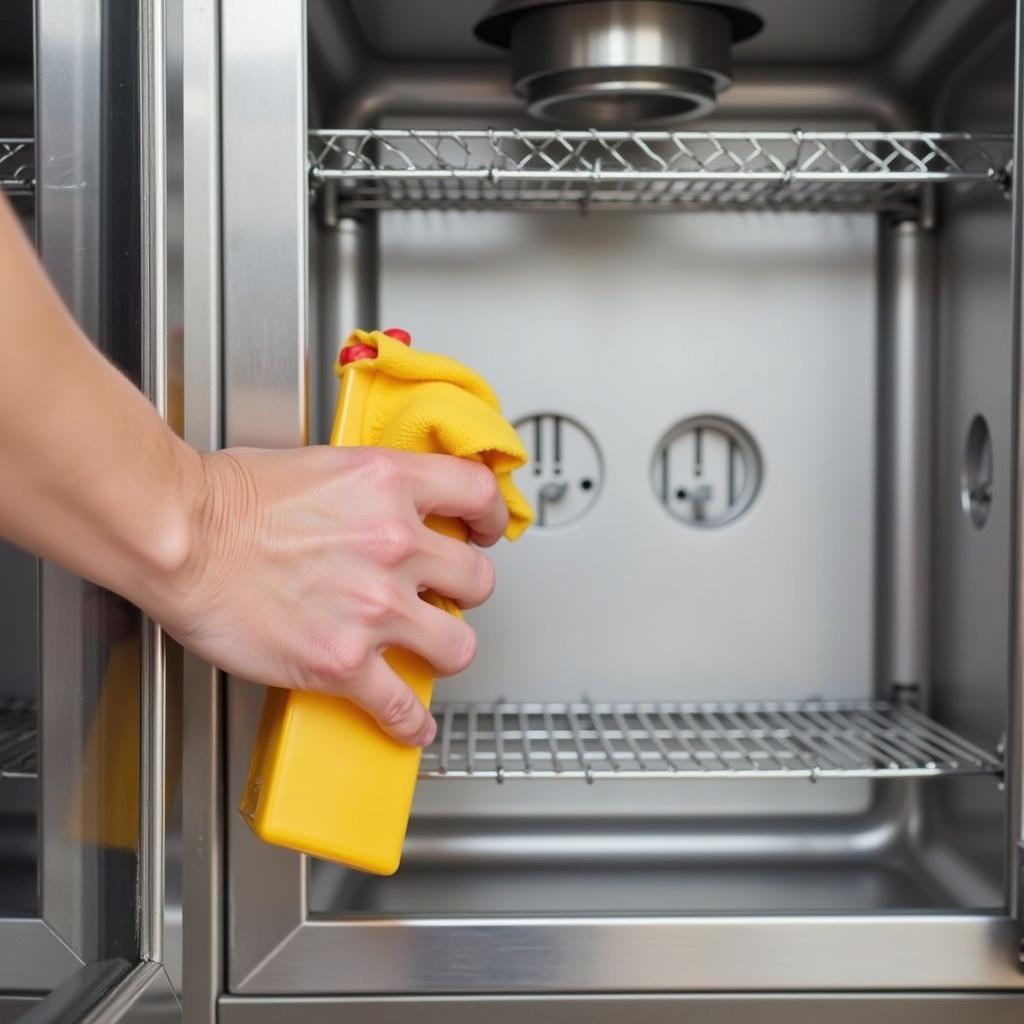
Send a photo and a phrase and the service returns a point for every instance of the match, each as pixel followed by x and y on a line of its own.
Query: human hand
pixel 304 566
pixel 291 568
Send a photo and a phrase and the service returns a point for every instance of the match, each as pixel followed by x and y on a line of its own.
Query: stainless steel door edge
pixel 699 1008
pixel 202 783
pixel 264 197
pixel 156 269
pixel 1015 732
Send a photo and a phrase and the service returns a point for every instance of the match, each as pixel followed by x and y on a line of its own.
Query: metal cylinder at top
pixel 618 63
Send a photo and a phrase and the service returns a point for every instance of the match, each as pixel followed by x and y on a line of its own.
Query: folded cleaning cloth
pixel 421 402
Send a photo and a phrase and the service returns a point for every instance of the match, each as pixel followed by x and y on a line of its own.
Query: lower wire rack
pixel 793 740
pixel 18 739
pixel 17 167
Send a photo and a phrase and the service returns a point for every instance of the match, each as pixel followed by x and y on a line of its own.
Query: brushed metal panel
pixel 1015 728
pixel 263 46
pixel 629 325
pixel 643 954
pixel 829 31
pixel 976 578
pixel 709 1008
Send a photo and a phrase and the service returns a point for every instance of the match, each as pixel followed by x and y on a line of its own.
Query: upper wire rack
pixel 870 170
pixel 787 739
pixel 17 167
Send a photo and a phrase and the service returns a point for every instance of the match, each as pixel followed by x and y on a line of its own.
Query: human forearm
pixel 291 568
pixel 89 475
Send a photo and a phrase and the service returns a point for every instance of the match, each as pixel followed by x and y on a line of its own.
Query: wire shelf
pixel 591 170
pixel 792 740
pixel 18 739
pixel 17 167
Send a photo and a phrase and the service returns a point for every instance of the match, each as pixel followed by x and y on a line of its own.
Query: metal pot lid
pixel 496 26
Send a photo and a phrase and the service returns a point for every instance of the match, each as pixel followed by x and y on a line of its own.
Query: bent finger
pixel 455 570
pixel 392 705
pixel 447 486
pixel 447 643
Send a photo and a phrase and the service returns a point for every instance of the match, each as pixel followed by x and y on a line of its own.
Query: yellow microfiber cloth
pixel 422 402
pixel 324 778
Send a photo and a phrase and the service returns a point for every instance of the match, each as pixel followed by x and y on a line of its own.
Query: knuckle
pixel 337 658
pixel 379 467
pixel 356 460
pixel 378 603
pixel 392 542
pixel 398 712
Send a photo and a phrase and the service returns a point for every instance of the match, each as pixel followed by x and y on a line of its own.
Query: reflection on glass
pixel 105 808
pixel 70 765
pixel 91 774
pixel 19 678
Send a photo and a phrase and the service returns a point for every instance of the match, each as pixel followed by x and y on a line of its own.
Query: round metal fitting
pixel 976 473
pixel 706 471
pixel 618 63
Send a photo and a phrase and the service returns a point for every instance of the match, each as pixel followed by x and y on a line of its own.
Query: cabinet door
pixel 95 940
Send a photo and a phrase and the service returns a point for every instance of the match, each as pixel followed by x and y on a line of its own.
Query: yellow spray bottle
pixel 324 778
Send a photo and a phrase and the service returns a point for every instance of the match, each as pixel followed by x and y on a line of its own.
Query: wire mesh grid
pixel 18 739
pixel 809 740
pixel 17 167
pixel 410 169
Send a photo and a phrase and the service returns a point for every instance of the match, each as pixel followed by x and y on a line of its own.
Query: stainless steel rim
pixel 496 26
pixel 606 63
pixel 584 97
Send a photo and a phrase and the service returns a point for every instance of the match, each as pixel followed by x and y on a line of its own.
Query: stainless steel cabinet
pixel 844 294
